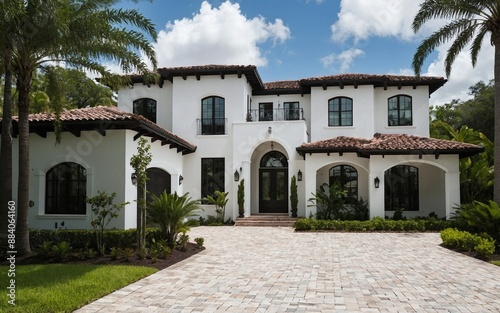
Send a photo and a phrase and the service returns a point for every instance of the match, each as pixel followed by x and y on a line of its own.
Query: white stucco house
pixel 211 126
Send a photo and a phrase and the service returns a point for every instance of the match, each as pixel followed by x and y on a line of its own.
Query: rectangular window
pixel 212 176
pixel 292 111
pixel 266 111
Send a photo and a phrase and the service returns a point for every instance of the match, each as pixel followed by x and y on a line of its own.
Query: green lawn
pixel 497 263
pixel 64 287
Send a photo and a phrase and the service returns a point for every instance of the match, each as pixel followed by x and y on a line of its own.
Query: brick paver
pixel 252 269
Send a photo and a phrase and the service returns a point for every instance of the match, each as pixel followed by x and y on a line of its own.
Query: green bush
pixel 484 246
pixel 84 239
pixel 480 217
pixel 376 224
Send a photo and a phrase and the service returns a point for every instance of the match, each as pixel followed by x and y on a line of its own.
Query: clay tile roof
pixel 283 84
pixel 101 118
pixel 387 144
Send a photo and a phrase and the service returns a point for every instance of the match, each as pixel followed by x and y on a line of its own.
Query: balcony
pixel 260 115
pixel 211 126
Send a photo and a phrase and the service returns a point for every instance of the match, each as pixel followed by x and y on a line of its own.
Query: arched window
pixel 347 177
pixel 146 107
pixel 340 111
pixel 66 189
pixel 274 159
pixel 401 188
pixel 400 111
pixel 212 116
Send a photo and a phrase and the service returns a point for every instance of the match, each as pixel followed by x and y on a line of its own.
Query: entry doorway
pixel 273 183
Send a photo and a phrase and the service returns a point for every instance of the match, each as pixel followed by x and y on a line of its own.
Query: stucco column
pixel 452 190
pixel 376 202
pixel 246 173
pixel 309 181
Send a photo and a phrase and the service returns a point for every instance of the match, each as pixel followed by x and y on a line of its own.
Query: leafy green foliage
pixel 220 200
pixel 480 217
pixel 376 224
pixel 465 241
pixel 199 241
pixel 170 212
pixel 103 212
pixel 329 200
pixel 241 198
pixel 294 199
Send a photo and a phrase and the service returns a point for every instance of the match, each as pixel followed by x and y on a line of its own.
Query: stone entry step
pixel 266 220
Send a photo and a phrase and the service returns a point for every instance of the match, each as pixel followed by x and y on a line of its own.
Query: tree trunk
pixel 6 148
pixel 496 184
pixel 22 230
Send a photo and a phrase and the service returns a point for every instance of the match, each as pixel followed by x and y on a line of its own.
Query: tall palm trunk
pixel 6 147
pixel 496 185
pixel 22 230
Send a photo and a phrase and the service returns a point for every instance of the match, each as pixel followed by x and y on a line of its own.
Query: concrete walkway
pixel 251 269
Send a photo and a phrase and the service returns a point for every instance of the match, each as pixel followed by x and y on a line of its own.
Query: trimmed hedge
pixel 483 245
pixel 376 224
pixel 84 239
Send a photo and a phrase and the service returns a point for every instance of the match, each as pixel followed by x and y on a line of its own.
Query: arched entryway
pixel 273 183
pixel 159 180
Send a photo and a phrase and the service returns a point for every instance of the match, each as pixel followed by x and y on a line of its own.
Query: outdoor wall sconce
pixel 236 175
pixel 180 179
pixel 376 181
pixel 269 130
pixel 299 176
pixel 133 178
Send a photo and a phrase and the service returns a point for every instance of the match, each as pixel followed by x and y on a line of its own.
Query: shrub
pixel 60 250
pixel 376 224
pixel 484 246
pixel 115 253
pixel 241 198
pixel 199 242
pixel 220 200
pixel 294 199
pixel 128 253
pixel 480 217
pixel 329 200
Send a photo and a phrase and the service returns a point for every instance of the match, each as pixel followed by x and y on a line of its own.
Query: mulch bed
pixel 175 257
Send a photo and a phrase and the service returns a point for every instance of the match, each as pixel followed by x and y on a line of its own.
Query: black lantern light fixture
pixel 133 178
pixel 180 179
pixel 236 175
pixel 299 176
pixel 376 181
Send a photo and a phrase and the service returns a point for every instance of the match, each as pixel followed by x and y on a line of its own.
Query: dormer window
pixel 400 111
pixel 146 107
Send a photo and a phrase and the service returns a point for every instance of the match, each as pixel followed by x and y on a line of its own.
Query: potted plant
pixel 241 198
pixel 294 200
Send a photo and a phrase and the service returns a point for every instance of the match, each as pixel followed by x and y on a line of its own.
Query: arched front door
pixel 159 180
pixel 273 183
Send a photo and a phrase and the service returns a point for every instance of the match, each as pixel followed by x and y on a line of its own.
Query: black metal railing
pixel 275 115
pixel 211 126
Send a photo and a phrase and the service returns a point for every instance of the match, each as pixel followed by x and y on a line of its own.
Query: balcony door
pixel 273 183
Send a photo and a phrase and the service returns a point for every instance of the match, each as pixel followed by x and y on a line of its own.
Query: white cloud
pixel 361 19
pixel 220 35
pixel 344 59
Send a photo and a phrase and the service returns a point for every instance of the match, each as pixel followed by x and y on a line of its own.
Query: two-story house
pixel 211 126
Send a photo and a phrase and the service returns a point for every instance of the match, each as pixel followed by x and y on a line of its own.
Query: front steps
pixel 266 220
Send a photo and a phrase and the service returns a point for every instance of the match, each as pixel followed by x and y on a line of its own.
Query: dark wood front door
pixel 273 191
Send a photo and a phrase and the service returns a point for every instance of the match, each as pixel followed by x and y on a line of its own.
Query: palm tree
pixel 170 212
pixel 470 22
pixel 81 33
pixel 11 10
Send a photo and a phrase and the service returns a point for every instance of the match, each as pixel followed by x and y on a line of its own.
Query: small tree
pixel 140 162
pixel 103 211
pixel 294 199
pixel 220 200
pixel 330 202
pixel 241 198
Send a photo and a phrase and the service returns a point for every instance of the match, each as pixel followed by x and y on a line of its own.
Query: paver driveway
pixel 251 269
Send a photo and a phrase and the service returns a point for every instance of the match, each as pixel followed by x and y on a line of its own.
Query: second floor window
pixel 400 111
pixel 266 111
pixel 212 116
pixel 340 111
pixel 292 111
pixel 146 107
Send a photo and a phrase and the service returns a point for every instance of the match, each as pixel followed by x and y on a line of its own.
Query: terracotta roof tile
pixel 390 144
pixel 283 84
pixel 395 78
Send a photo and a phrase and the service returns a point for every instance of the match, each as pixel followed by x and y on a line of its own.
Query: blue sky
pixel 294 39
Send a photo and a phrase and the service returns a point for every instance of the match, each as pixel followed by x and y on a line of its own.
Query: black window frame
pixel 66 194
pixel 211 182
pixel 344 179
pixel 266 111
pixel 337 113
pixel 212 121
pixel 292 110
pixel 398 196
pixel 146 107
pixel 398 116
